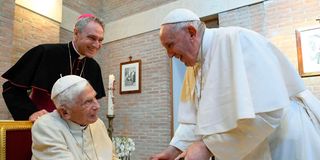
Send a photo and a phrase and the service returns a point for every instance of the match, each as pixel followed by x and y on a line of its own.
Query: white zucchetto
pixel 64 83
pixel 180 15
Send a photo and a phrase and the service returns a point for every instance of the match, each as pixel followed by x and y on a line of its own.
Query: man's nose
pixel 97 44
pixel 96 104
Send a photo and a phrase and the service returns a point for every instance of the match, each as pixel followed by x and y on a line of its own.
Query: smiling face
pixel 182 43
pixel 85 110
pixel 88 41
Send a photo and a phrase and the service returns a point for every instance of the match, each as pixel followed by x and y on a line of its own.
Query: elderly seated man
pixel 73 130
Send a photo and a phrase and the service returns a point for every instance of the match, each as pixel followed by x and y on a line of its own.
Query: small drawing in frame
pixel 130 77
pixel 308 47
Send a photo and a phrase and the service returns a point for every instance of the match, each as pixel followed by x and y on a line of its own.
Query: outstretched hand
pixel 197 150
pixel 168 154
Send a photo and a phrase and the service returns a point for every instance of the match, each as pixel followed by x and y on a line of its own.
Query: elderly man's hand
pixel 196 151
pixel 37 114
pixel 168 154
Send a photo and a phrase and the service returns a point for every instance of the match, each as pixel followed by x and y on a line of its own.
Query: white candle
pixel 111 80
pixel 110 95
pixel 110 104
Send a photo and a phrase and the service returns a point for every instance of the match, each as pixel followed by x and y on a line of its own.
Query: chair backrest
pixel 15 140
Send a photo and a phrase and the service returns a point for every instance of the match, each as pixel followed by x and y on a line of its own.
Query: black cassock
pixel 38 69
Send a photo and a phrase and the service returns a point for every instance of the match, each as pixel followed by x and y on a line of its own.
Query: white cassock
pixel 54 138
pixel 250 102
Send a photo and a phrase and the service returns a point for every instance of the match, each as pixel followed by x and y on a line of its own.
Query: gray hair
pixel 181 25
pixel 81 23
pixel 69 96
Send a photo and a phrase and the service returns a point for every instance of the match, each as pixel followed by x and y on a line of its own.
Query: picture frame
pixel 308 49
pixel 130 77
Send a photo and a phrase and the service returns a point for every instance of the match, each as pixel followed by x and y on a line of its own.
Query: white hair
pixel 69 96
pixel 181 25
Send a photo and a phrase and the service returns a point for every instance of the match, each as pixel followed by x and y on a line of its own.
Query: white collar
pixel 80 55
pixel 75 126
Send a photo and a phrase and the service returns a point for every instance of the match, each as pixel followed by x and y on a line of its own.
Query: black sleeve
pixel 98 85
pixel 92 72
pixel 23 72
pixel 18 101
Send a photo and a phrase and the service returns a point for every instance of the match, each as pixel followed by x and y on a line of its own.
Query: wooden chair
pixel 15 140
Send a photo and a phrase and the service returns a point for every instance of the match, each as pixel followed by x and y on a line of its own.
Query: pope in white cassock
pixel 241 98
pixel 73 131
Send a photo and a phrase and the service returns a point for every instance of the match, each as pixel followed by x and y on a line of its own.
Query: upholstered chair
pixel 15 140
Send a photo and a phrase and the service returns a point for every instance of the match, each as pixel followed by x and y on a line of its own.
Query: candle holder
pixel 110 126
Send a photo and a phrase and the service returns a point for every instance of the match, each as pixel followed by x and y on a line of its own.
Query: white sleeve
pixel 184 136
pixel 246 138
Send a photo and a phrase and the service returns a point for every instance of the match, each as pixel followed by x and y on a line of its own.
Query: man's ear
pixel 75 31
pixel 64 112
pixel 192 31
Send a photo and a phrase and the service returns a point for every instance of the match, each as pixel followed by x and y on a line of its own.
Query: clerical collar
pixel 75 126
pixel 80 55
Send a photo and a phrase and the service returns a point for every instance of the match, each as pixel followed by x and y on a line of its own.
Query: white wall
pixel 48 8
pixel 151 19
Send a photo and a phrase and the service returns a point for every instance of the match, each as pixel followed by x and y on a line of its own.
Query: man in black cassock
pixel 41 66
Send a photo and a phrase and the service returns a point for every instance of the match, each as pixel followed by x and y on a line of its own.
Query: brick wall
pixel 65 35
pixel 145 116
pixel 277 20
pixel 24 30
pixel 6 34
pixel 31 29
pixel 85 6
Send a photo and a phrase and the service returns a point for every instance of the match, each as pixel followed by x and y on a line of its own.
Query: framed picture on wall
pixel 308 47
pixel 130 77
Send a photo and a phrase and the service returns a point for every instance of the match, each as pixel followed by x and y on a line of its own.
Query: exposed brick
pixel 65 35
pixel 21 30
pixel 85 6
pixel 146 117
pixel 6 47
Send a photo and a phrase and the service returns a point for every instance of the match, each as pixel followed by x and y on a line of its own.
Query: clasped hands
pixel 197 151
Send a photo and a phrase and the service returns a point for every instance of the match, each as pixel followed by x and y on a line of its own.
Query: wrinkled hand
pixel 168 154
pixel 196 151
pixel 181 156
pixel 37 114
